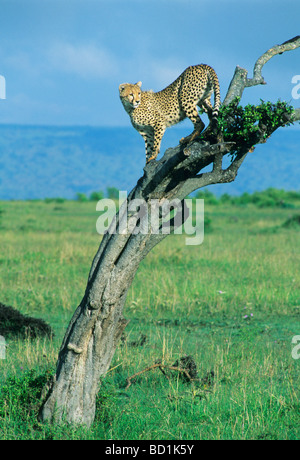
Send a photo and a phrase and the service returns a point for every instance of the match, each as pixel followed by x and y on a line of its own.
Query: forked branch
pixel 240 80
pixel 277 49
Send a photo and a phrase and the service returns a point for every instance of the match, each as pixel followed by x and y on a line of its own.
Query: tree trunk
pixel 94 331
pixel 97 324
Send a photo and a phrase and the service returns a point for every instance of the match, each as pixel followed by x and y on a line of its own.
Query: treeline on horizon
pixel 270 197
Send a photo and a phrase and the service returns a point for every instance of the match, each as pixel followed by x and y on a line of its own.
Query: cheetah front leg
pixel 148 138
pixel 159 130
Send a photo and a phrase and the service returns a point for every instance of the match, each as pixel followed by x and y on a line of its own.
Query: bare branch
pixel 296 115
pixel 161 367
pixel 237 85
pixel 240 81
pixel 217 166
pixel 230 173
pixel 217 175
pixel 277 49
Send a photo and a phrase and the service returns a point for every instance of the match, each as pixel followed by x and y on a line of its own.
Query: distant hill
pixel 40 162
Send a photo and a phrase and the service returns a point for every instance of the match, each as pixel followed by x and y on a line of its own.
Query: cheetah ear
pixel 122 86
pixel 139 83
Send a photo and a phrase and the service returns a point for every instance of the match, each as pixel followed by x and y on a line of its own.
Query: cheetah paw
pixel 184 140
pixel 149 159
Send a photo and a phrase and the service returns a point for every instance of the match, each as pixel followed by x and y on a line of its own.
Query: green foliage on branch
pixel 252 124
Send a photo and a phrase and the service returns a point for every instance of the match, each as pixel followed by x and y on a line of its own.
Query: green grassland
pixel 232 304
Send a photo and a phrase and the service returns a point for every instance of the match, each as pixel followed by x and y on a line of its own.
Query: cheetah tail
pixel 216 86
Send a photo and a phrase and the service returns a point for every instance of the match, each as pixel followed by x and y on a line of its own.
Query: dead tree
pixel 97 324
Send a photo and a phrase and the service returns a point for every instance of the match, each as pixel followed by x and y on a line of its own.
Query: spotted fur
pixel 151 113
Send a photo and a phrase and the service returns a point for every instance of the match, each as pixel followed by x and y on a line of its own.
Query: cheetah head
pixel 130 95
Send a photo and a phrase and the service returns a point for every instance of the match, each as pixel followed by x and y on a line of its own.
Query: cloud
pixel 23 63
pixel 86 61
pixel 157 72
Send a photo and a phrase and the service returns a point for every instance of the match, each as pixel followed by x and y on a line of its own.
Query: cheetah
pixel 151 113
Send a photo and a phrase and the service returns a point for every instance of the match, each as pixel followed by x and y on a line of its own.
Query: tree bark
pixel 98 322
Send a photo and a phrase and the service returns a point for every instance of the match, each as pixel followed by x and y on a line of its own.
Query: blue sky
pixel 64 60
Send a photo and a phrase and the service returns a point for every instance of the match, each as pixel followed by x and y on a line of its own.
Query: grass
pixel 231 303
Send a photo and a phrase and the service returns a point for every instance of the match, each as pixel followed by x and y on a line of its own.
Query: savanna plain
pixel 230 305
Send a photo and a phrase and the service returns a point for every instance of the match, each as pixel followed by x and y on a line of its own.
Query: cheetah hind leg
pixel 213 122
pixel 212 133
pixel 192 114
pixel 196 133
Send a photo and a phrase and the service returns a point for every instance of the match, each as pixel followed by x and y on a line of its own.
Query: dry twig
pixel 161 367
